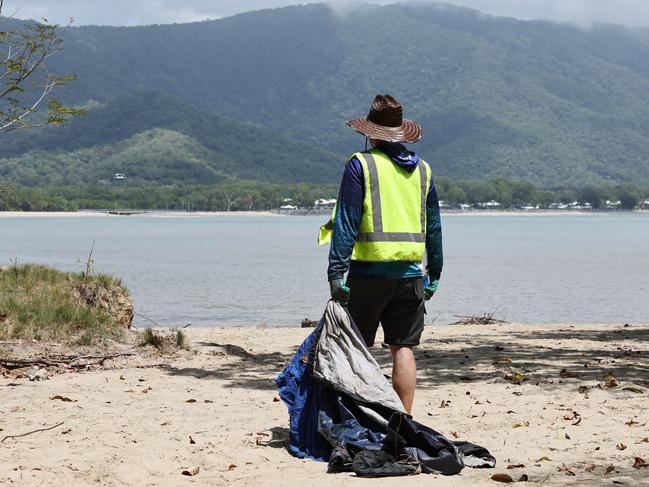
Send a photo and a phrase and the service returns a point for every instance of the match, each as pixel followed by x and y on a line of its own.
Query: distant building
pixel 323 204
pixel 644 205
pixel 558 206
pixel 613 205
pixel 119 176
pixel 491 205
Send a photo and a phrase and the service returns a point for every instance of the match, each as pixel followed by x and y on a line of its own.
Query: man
pixel 386 219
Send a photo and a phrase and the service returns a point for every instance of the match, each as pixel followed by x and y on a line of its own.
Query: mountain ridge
pixel 496 96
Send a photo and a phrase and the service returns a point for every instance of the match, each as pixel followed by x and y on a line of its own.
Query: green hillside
pixel 497 97
pixel 154 138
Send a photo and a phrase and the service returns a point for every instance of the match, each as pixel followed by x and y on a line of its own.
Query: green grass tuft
pixel 41 303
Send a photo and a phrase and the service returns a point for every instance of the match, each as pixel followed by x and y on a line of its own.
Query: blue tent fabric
pixel 303 397
pixel 328 424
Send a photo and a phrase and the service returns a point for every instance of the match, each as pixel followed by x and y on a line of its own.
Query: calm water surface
pixel 253 270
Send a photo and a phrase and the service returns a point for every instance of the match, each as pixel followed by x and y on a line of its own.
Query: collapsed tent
pixel 344 411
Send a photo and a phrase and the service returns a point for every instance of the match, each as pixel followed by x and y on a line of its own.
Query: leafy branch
pixel 25 82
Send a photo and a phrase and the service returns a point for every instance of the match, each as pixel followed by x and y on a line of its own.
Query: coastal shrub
pixel 41 303
pixel 165 341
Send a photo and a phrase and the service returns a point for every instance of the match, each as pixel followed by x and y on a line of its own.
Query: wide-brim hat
pixel 385 122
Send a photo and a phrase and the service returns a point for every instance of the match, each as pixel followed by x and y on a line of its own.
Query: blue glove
pixel 339 292
pixel 430 287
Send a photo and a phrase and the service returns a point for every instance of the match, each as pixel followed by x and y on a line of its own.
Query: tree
pixel 629 197
pixel 23 59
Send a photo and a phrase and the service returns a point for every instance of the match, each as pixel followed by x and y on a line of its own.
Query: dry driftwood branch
pixel 485 319
pixel 31 432
pixel 11 363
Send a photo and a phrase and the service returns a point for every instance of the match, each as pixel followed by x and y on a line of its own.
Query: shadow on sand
pixel 542 357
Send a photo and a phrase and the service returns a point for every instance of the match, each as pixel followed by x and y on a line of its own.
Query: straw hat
pixel 385 122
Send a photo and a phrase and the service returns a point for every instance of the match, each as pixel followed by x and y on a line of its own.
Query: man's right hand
pixel 339 292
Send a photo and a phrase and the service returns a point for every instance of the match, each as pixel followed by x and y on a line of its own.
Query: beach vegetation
pixel 44 304
pixel 151 338
pixel 164 340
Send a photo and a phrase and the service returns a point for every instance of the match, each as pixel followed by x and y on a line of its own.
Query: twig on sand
pixel 485 319
pixel 69 361
pixel 147 318
pixel 31 432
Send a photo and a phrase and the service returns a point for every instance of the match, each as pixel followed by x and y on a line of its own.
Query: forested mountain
pixel 532 100
pixel 155 138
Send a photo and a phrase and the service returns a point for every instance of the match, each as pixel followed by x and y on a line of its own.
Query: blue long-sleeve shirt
pixel 347 221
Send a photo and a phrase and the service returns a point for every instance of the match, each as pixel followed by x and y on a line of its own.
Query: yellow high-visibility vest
pixel 393 224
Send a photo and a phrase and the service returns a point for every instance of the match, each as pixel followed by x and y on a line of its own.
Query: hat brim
pixel 408 132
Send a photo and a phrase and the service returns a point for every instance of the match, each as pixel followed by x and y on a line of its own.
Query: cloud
pixel 140 12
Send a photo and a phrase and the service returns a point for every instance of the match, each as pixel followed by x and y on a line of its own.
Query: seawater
pixel 243 270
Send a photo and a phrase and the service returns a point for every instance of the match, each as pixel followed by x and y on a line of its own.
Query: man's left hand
pixel 430 289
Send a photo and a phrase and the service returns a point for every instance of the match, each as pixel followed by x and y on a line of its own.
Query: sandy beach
pixel 578 412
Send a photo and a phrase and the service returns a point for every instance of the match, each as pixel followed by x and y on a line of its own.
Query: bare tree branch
pixel 31 432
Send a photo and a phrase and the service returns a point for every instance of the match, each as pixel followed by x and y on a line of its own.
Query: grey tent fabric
pixel 343 361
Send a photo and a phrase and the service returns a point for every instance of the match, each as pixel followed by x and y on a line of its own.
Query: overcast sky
pixel 142 12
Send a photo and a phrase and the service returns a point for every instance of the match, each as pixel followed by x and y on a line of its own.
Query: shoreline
pixel 170 214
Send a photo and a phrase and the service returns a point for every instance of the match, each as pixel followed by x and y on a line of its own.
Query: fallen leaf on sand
pixel 190 472
pixel 640 463
pixel 543 459
pixel 445 403
pixel 620 446
pixel 565 373
pixel 62 398
pixel 64 432
pixel 523 478
pixel 566 470
pixel 232 466
pixel 576 423
pixel 517 465
pixel 522 424
pixel 191 441
pixel 583 389
pixel 516 378
pixel 502 361
pixel 567 436
pixel 610 468
pixel 631 422
pixel 502 477
pixel 609 381
pixel 570 417
pixel 644 440
pixel 190 400
pixel 590 467
pixel 455 434
pixel 276 399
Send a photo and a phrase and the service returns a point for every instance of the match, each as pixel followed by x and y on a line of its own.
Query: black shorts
pixel 398 304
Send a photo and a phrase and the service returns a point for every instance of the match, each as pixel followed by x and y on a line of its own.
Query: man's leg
pixel 404 374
